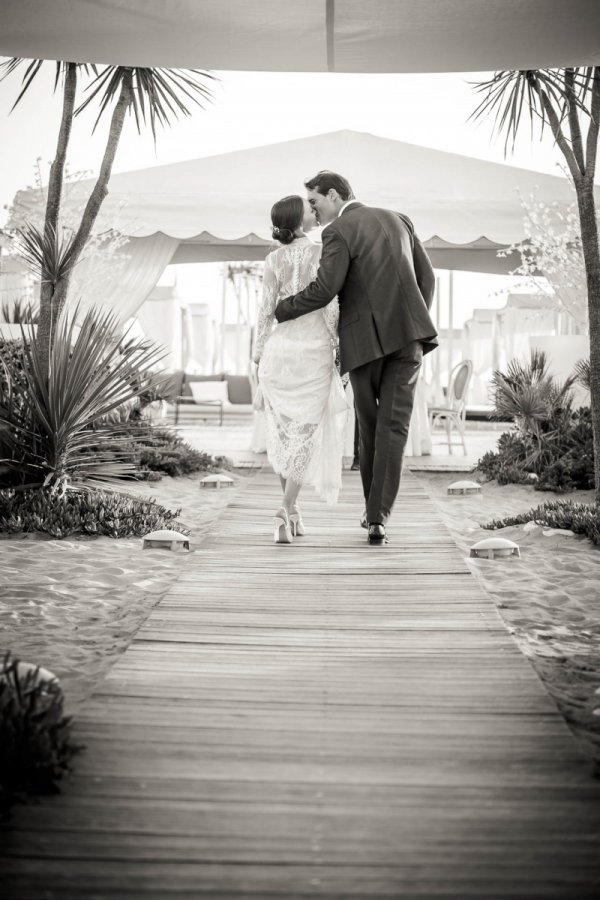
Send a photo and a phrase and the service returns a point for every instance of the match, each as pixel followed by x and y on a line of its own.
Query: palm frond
pixel 159 95
pixel 32 66
pixel 46 253
pixel 10 66
pixel 510 94
pixel 583 373
pixel 528 393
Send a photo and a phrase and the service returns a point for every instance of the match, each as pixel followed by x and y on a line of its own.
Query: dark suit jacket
pixel 380 271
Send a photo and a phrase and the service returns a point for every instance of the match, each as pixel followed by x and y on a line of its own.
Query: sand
pixel 549 599
pixel 73 606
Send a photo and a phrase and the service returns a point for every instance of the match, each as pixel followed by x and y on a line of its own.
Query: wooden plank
pixel 325 719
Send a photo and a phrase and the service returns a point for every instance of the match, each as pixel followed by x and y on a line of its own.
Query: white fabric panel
pixel 478 346
pixel 314 35
pixel 418 442
pixel 516 327
pixel 125 288
pixel 160 320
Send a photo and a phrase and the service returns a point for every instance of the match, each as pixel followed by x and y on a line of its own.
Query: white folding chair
pixel 455 413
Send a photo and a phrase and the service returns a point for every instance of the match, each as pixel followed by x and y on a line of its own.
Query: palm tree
pixel 157 95
pixel 561 99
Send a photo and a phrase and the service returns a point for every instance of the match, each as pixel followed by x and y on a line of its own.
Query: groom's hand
pixel 282 306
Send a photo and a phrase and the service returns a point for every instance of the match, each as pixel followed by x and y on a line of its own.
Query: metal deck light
pixel 496 547
pixel 165 540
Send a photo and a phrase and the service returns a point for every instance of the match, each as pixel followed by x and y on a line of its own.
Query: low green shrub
pixel 581 518
pixel 36 748
pixel 551 443
pixel 506 465
pixel 163 450
pixel 81 512
pixel 560 458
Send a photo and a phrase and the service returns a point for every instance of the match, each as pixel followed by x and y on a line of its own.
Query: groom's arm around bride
pixel 373 261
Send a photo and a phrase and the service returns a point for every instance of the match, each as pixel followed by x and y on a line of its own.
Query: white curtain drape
pixel 572 293
pixel 478 346
pixel 123 283
pixel 168 322
pixel 515 326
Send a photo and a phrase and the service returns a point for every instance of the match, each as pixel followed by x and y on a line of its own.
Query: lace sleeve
pixel 266 313
pixel 331 314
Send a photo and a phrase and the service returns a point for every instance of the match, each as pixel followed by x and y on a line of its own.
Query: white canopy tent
pixel 217 208
pixel 311 36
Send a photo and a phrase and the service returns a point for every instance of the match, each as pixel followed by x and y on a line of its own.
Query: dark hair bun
pixel 283 235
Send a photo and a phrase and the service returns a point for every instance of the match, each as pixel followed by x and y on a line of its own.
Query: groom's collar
pixel 346 205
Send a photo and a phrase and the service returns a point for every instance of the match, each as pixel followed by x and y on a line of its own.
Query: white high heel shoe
pixel 283 532
pixel 296 523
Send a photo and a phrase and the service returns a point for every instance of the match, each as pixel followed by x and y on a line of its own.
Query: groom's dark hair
pixel 325 180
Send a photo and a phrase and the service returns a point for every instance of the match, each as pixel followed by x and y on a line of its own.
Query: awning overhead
pixel 218 207
pixel 312 35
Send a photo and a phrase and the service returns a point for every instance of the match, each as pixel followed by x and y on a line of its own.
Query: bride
pixel 304 403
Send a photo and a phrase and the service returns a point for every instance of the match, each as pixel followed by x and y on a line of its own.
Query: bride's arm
pixel 331 314
pixel 266 313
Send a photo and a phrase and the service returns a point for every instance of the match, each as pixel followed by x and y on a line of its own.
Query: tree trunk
pixel 92 208
pixel 57 169
pixel 47 319
pixel 591 255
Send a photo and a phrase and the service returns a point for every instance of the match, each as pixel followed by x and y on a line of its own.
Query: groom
pixel 380 271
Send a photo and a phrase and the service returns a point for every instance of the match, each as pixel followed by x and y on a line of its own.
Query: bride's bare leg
pixel 290 495
pixel 290 499
pixel 282 480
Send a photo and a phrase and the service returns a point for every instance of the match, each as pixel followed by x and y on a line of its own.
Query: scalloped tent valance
pixel 311 36
pixel 218 207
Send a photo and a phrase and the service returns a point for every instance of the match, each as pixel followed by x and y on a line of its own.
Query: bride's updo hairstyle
pixel 287 215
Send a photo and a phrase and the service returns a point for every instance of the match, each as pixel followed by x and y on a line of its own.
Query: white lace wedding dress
pixel 305 406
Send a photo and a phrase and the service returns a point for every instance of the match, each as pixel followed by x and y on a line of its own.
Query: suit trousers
pixel 384 392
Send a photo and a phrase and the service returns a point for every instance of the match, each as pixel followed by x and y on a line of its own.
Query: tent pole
pixel 223 315
pixel 450 322
pixel 437 388
pixel 238 324
pixel 248 325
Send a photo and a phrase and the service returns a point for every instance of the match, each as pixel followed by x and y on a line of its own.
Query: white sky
pixel 253 108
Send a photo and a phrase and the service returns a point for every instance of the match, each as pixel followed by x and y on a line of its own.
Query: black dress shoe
pixel 377 533
pixel 355 465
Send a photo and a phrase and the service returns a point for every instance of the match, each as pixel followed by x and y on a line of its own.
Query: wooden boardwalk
pixel 322 720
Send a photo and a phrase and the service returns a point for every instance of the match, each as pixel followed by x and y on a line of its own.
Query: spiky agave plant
pixel 46 435
pixel 529 395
